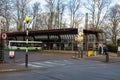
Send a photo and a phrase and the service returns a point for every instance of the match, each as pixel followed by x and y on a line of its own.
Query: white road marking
pixel 37 66
pixel 49 63
pixel 43 64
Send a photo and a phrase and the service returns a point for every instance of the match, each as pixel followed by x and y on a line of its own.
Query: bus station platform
pixel 99 57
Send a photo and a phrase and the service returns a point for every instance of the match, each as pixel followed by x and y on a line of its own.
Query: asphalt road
pixel 35 56
pixel 53 67
pixel 66 70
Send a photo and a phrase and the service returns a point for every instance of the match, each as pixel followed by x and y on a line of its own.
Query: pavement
pixel 113 58
pixel 12 67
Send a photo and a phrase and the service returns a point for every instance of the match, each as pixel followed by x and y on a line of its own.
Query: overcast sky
pixel 42 2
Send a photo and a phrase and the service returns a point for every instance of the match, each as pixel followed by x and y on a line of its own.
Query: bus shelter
pixel 54 39
pixel 61 39
pixel 93 38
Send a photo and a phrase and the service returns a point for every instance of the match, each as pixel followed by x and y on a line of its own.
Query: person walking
pixel 105 49
pixel 100 48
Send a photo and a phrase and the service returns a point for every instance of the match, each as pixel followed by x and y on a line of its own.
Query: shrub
pixel 112 48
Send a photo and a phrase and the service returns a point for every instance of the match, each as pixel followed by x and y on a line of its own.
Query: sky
pixel 42 2
pixel 115 2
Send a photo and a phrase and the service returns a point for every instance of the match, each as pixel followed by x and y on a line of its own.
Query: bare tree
pixel 60 10
pixel 5 11
pixel 1 7
pixel 36 16
pixel 44 21
pixel 98 10
pixel 63 6
pixel 74 7
pixel 19 13
pixel 55 12
pixel 51 10
pixel 112 29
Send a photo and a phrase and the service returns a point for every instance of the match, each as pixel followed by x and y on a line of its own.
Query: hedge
pixel 112 48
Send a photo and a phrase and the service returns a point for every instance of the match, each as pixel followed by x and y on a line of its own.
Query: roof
pixel 92 31
pixel 45 32
pixel 64 31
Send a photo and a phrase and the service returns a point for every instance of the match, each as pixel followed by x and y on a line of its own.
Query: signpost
pixel 79 40
pixel 4 35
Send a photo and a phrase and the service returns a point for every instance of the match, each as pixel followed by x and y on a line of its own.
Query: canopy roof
pixel 64 31
pixel 45 32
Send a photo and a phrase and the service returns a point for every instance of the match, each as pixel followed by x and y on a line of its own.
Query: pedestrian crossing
pixel 46 64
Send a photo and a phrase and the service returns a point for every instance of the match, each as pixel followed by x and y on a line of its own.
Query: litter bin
pixel 90 53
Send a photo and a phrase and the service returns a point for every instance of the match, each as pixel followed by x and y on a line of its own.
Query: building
pixel 61 39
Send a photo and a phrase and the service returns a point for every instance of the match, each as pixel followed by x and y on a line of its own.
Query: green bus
pixel 24 45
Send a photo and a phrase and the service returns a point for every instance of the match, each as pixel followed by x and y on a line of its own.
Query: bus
pixel 23 45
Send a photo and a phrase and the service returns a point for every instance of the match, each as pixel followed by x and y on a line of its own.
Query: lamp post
pixel 27 19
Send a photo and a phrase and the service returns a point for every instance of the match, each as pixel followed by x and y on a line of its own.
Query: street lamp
pixel 2 22
pixel 27 19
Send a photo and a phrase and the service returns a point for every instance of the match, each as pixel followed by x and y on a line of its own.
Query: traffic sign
pixel 79 37
pixel 11 54
pixel 4 35
pixel 76 37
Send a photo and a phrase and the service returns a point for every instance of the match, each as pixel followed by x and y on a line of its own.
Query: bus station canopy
pixel 64 31
pixel 60 37
pixel 45 32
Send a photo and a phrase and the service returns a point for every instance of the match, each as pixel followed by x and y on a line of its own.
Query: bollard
pixel 81 53
pixel 107 57
pixel 78 54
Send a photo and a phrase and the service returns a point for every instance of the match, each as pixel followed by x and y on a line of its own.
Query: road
pixel 36 56
pixel 64 68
